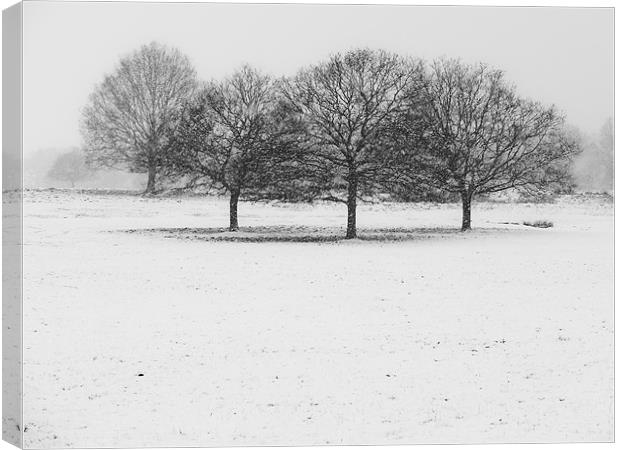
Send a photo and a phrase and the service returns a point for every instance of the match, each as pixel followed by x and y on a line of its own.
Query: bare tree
pixel 344 106
pixel 230 139
pixel 129 115
pixel 474 135
pixel 70 167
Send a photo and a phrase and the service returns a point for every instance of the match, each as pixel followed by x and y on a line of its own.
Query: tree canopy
pixel 230 139
pixel 343 107
pixel 472 134
pixel 128 117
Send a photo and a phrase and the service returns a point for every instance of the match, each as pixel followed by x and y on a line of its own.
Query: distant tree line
pixel 359 124
pixel 593 168
pixel 70 167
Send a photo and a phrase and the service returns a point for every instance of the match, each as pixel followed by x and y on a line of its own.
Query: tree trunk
pixel 234 201
pixel 351 208
pixel 466 197
pixel 150 184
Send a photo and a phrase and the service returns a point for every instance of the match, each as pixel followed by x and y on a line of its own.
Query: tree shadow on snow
pixel 293 233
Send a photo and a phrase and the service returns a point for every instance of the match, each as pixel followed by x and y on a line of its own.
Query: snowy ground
pixel 163 336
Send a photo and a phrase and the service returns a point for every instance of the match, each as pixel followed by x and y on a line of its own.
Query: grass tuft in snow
pixel 538 224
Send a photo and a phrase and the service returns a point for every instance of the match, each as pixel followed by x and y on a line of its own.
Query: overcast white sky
pixel 561 56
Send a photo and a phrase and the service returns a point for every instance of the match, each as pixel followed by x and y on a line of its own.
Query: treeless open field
pixel 144 325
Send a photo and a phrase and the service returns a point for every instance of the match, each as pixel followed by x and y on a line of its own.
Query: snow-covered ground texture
pixel 145 325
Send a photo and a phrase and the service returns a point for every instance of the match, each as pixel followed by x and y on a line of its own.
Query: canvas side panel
pixel 12 206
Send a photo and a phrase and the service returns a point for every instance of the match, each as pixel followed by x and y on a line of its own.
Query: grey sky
pixel 562 56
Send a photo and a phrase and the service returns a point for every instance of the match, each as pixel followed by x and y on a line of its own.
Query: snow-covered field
pixel 168 335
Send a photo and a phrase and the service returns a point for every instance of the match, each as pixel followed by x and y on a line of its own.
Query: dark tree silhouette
pixel 69 166
pixel 343 107
pixel 474 135
pixel 129 115
pixel 231 139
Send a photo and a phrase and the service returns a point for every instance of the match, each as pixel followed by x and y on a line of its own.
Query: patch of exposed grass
pixel 294 233
pixel 538 223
